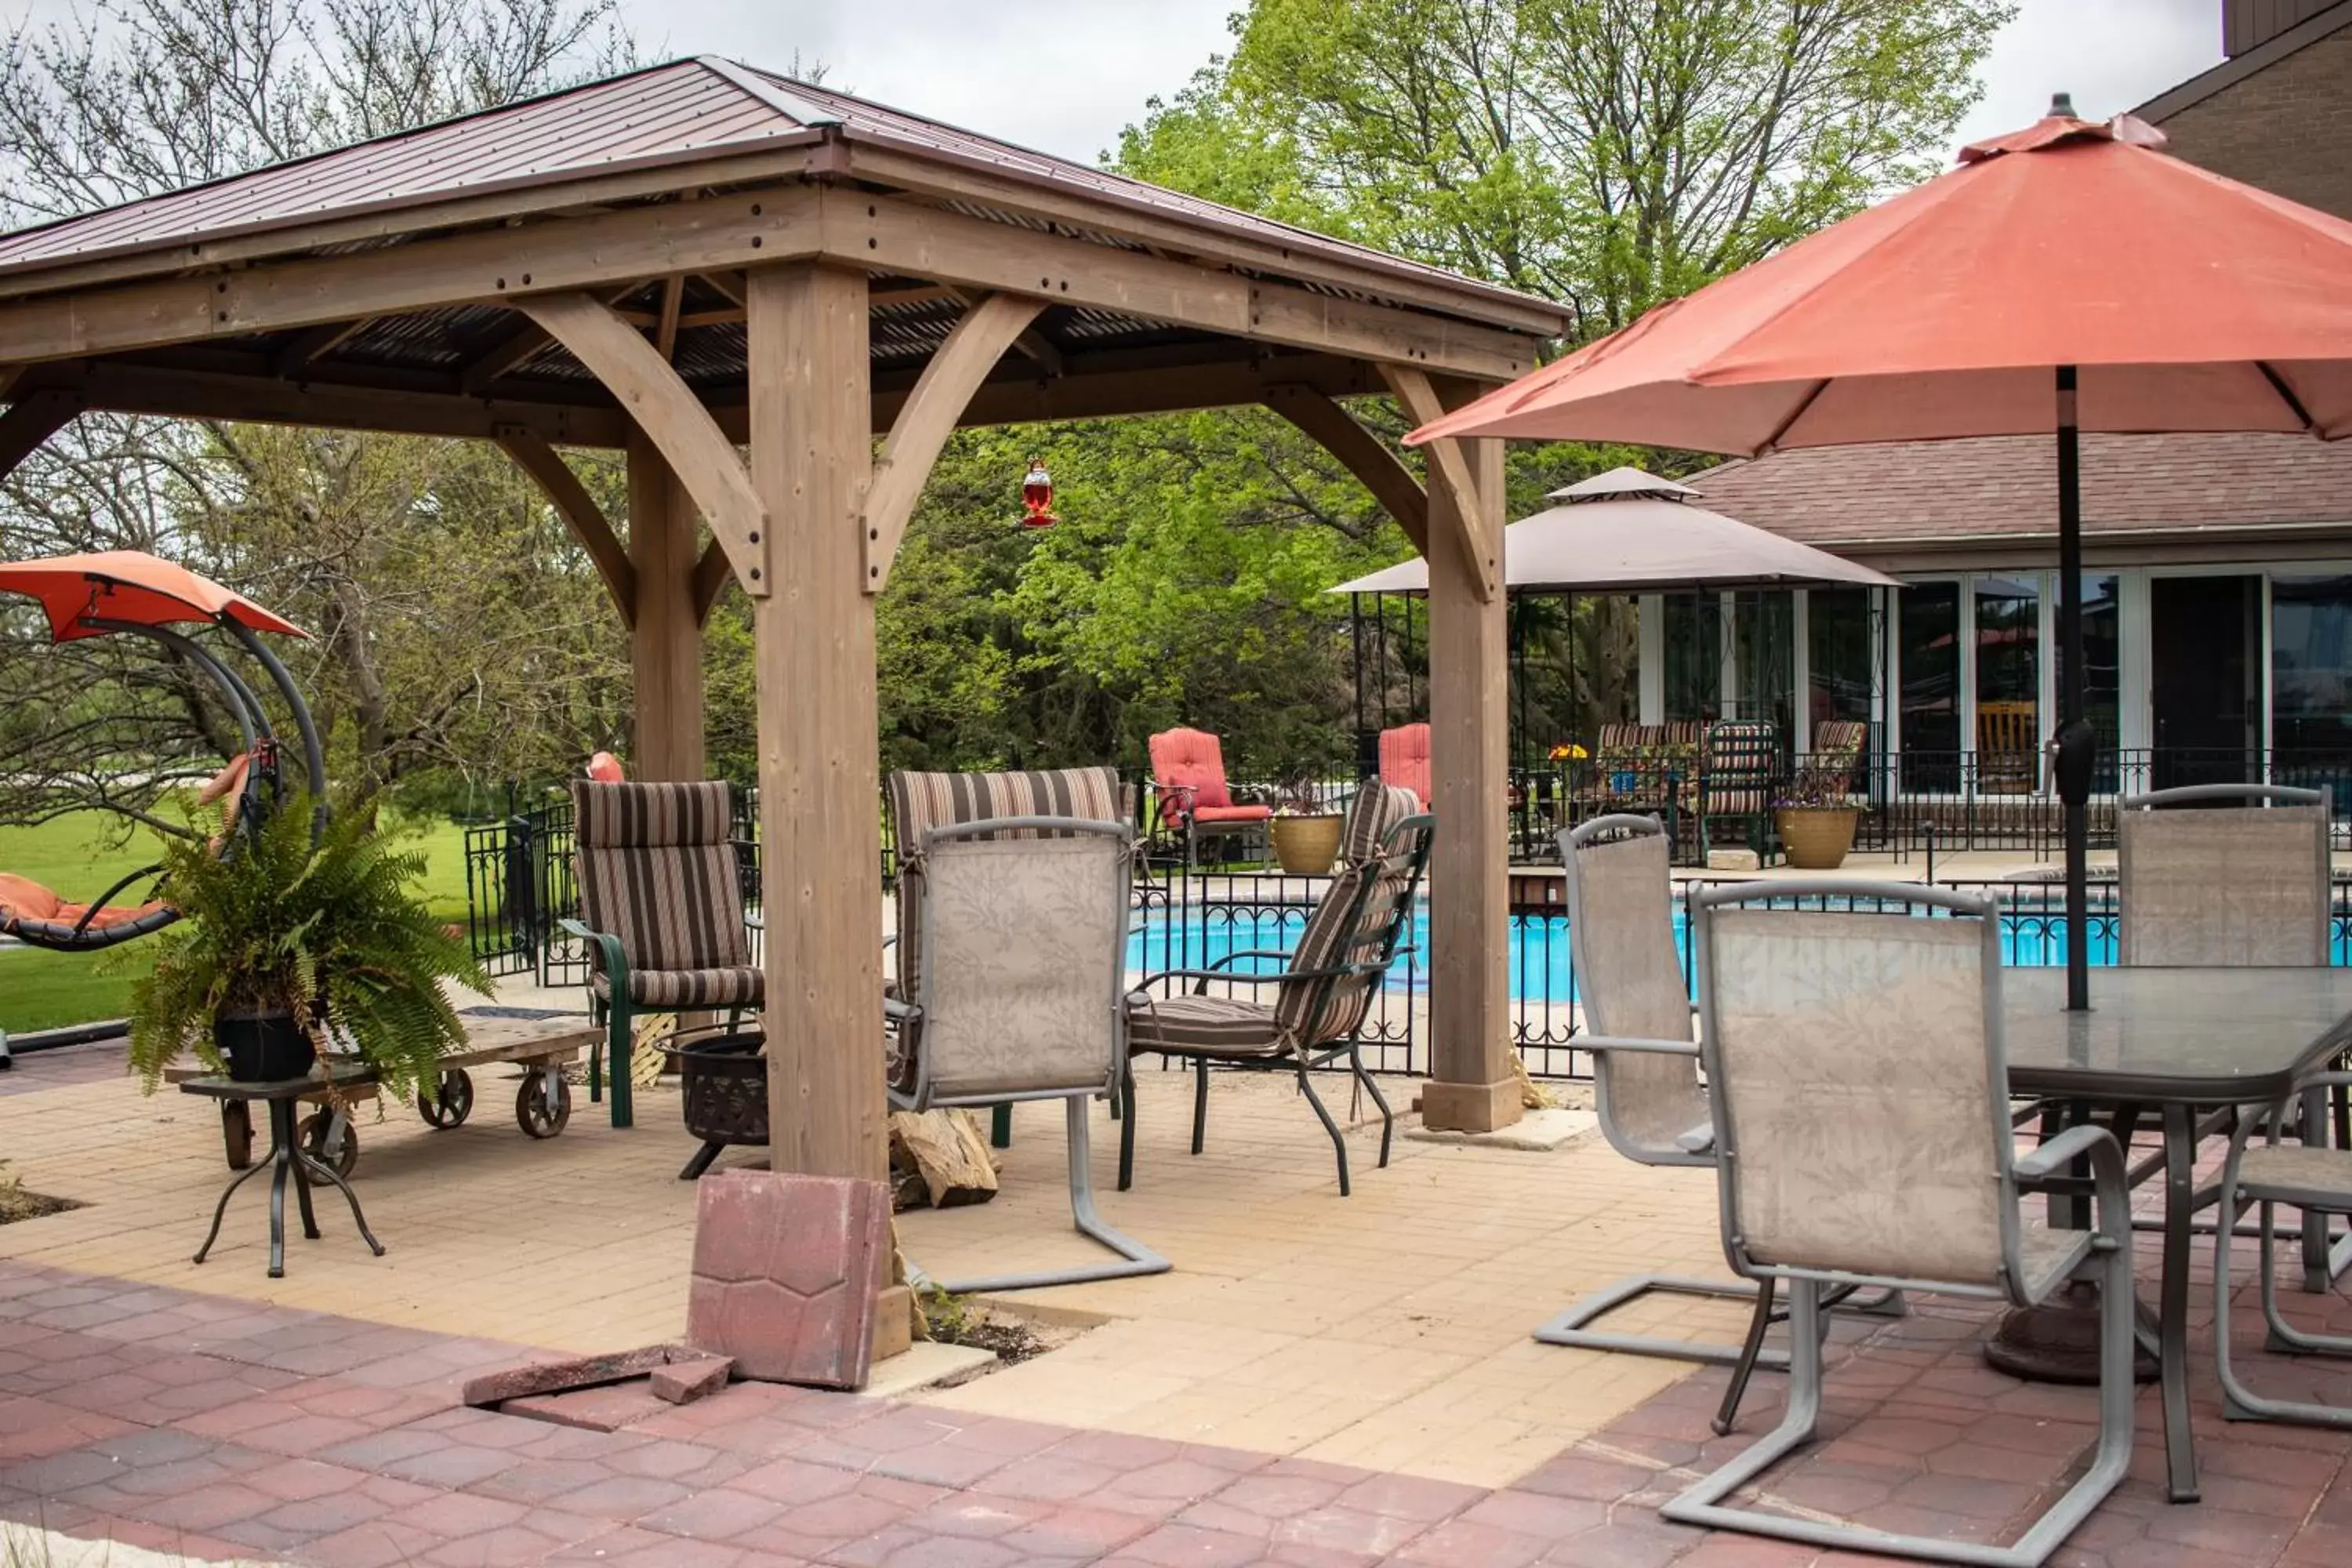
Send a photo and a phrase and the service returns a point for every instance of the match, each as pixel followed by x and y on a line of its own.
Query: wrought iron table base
pixel 286 1155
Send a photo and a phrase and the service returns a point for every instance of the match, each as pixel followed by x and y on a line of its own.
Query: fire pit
pixel 724 1080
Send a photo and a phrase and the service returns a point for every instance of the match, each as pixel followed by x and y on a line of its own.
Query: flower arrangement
pixel 1569 752
pixel 1818 788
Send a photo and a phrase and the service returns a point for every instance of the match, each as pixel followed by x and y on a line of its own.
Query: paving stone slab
pixel 786 1269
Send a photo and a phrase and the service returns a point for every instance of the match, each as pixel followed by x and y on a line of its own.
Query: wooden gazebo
pixel 744 280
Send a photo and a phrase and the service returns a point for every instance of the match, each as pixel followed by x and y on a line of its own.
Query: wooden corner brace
pixel 580 513
pixel 1475 533
pixel 1360 452
pixel 672 418
pixel 929 417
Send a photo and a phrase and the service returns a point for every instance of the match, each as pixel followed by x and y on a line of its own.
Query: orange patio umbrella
pixel 129 586
pixel 2071 276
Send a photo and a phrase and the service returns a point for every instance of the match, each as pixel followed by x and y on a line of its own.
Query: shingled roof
pixel 2003 491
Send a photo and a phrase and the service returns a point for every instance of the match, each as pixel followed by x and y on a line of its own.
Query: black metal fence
pixel 1907 803
pixel 1187 916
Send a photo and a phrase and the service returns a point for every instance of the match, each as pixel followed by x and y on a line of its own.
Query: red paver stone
pixel 785 1271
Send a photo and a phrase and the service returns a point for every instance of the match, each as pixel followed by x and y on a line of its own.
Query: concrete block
pixel 786 1269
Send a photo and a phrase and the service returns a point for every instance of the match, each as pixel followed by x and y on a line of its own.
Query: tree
pixel 1611 154
pixel 459 626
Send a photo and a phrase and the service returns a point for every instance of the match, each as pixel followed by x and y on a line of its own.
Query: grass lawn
pixel 76 855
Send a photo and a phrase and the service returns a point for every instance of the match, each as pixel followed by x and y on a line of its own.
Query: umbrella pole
pixel 2073 790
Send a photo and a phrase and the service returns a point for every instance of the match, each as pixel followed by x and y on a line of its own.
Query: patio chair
pixel 2201 883
pixel 1652 1108
pixel 1839 743
pixel 919 802
pixel 1022 940
pixel 1738 768
pixel 1188 776
pixel 2008 754
pixel 1404 761
pixel 2317 1181
pixel 1322 993
pixel 661 906
pixel 1860 1101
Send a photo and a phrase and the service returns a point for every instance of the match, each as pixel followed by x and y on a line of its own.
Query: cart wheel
pixel 535 1113
pixel 236 1132
pixel 451 1103
pixel 314 1142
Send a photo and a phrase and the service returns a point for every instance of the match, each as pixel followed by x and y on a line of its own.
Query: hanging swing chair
pixel 127 592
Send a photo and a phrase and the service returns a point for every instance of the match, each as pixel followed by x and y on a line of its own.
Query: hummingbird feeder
pixel 1037 497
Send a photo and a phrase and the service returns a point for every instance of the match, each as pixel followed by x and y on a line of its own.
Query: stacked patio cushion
pixel 657 871
pixel 920 802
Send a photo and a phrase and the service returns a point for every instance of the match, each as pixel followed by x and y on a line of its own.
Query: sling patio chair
pixel 2316 1180
pixel 2233 874
pixel 661 907
pixel 1188 779
pixel 1860 1100
pixel 1021 950
pixel 1652 1108
pixel 1321 994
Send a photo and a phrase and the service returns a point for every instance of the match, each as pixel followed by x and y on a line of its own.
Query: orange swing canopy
pixel 129 585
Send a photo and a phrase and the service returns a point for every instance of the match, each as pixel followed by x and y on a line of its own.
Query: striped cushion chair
pixel 1320 995
pixel 921 801
pixel 1739 767
pixel 661 902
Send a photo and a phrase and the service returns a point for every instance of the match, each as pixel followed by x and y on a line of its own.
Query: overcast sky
pixel 1064 75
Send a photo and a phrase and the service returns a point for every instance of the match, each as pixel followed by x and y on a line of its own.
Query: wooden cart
pixel 541 1045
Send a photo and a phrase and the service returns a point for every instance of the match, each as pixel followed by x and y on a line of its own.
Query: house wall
pixel 2246 24
pixel 2286 127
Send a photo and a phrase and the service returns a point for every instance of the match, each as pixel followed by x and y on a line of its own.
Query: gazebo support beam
pixel 1360 452
pixel 580 513
pixel 31 420
pixel 666 408
pixel 820 771
pixel 1472 1086
pixel 666 644
pixel 710 574
pixel 929 416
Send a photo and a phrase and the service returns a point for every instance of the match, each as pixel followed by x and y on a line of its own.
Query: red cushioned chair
pixel 1188 776
pixel 1404 759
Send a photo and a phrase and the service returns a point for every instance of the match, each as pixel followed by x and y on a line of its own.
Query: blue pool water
pixel 1540 970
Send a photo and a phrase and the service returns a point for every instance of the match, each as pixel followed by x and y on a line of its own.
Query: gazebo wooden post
pixel 820 833
pixel 1472 1088
pixel 666 644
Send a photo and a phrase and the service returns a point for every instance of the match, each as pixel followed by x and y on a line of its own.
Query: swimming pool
pixel 1194 936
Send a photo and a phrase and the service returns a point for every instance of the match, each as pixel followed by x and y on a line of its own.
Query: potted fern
pixel 284 942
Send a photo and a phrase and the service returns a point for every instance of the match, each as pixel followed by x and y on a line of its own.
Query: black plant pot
pixel 263 1048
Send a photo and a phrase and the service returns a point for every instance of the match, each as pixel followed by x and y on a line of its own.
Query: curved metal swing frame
pixel 262 790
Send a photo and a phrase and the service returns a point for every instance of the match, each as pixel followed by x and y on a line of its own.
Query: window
pixel 1930 649
pixel 2009 682
pixel 2311 664
pixel 1837 658
pixel 1694 638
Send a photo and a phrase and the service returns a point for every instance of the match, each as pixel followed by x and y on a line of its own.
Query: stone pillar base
pixel 894 1321
pixel 1470 1107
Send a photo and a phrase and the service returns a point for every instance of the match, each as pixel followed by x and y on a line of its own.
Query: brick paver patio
pixel 223 1426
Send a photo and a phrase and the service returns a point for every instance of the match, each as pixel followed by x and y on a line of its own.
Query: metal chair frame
pixel 2104 1253
pixel 2240 1403
pixel 1133 1256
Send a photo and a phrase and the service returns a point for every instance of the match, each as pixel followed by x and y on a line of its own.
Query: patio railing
pixel 519 881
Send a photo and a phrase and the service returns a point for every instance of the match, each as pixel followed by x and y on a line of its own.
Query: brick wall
pixel 2286 128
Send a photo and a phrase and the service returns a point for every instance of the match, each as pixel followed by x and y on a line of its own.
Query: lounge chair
pixel 661 906
pixel 1021 950
pixel 1321 994
pixel 1860 1102
pixel 1188 778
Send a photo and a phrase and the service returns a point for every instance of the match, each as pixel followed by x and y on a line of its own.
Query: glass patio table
pixel 2176 1042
